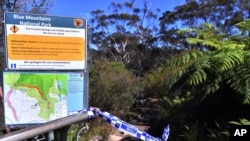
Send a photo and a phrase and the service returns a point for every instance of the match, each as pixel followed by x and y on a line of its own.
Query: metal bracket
pixel 40 138
pixel 84 128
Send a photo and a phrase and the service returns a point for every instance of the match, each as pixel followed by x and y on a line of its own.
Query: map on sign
pixel 31 98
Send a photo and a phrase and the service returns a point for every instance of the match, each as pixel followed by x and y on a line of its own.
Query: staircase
pixel 145 111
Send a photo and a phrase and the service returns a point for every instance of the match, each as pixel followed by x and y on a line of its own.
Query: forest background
pixel 194 61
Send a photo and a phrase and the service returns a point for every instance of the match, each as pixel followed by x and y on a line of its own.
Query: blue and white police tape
pixel 126 127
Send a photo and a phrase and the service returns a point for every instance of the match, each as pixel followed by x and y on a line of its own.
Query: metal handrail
pixel 33 131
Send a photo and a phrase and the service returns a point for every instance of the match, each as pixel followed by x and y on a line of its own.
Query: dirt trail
pixel 117 136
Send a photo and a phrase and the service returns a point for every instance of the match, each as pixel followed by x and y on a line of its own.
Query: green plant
pixel 207 70
pixel 220 132
pixel 193 132
pixel 112 87
pixel 214 75
pixel 97 128
pixel 242 121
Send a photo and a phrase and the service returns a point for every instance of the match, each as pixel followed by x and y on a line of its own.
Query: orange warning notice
pixel 33 47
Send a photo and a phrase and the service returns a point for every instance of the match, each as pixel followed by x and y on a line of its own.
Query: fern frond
pixel 180 66
pixel 226 59
pixel 227 64
pixel 246 99
pixel 245 25
pixel 197 77
pixel 212 43
pixel 211 88
pixel 185 59
pixel 233 45
pixel 238 79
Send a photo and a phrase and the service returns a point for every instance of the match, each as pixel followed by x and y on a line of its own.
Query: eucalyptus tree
pixel 27 6
pixel 126 34
pixel 224 14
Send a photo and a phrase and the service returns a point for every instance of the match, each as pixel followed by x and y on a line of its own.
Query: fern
pixel 197 77
pixel 195 68
pixel 207 35
pixel 227 62
pixel 197 73
pixel 184 59
pixel 178 67
pixel 244 26
pixel 211 88
pixel 226 59
pixel 238 79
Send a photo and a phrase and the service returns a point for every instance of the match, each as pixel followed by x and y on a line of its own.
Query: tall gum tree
pixel 224 14
pixel 126 33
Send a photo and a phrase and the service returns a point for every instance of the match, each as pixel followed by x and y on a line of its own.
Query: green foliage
pixel 193 132
pixel 217 71
pixel 179 65
pixel 153 83
pixel 112 87
pixel 203 72
pixel 222 14
pixel 220 132
pixel 226 59
pixel 98 128
pixel 209 36
pixel 124 29
pixel 127 34
pixel 196 131
pixel 242 121
pixel 244 26
pixel 238 78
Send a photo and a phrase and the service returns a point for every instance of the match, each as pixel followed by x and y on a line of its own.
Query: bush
pixel 112 87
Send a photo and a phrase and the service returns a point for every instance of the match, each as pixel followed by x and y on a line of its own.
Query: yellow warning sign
pixel 31 47
pixel 14 29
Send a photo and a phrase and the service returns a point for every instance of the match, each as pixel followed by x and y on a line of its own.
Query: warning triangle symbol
pixel 14 28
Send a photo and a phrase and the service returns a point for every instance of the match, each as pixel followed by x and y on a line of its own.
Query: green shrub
pixel 112 87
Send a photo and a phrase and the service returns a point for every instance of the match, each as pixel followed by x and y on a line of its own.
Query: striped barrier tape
pixel 126 127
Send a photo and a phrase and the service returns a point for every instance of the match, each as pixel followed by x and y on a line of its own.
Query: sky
pixel 82 8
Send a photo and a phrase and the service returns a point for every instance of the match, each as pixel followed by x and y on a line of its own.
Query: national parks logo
pixel 78 22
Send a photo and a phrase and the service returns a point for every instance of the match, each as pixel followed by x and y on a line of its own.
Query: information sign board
pixel 35 42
